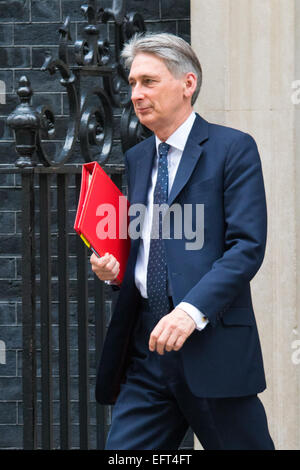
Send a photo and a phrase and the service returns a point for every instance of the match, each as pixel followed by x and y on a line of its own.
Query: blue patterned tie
pixel 157 267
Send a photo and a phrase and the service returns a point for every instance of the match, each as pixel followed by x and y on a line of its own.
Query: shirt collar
pixel 180 136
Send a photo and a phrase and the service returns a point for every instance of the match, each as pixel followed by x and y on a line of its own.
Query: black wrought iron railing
pixel 90 124
pixel 50 185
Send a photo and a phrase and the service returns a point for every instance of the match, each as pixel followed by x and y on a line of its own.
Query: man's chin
pixel 145 120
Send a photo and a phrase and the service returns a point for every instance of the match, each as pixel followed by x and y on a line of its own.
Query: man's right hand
pixel 106 268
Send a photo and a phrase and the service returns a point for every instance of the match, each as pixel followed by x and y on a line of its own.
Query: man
pixel 182 347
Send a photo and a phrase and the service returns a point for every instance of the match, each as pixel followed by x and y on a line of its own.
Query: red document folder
pixel 102 215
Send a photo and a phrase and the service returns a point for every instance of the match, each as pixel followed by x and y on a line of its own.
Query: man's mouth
pixel 142 110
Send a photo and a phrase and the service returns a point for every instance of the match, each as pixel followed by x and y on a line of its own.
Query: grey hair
pixel 177 54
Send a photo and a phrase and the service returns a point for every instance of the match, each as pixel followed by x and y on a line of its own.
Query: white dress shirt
pixel 177 143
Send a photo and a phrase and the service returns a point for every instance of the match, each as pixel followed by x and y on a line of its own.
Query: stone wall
pixel 250 56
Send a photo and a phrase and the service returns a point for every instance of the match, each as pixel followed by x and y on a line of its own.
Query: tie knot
pixel 163 149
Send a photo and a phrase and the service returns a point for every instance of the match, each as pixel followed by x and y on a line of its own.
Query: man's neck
pixel 164 133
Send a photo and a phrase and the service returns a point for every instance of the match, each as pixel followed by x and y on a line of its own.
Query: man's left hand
pixel 171 331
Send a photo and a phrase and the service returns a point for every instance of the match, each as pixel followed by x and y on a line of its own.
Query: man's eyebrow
pixel 143 77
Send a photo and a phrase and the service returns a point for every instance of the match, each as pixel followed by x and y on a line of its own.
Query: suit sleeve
pixel 245 232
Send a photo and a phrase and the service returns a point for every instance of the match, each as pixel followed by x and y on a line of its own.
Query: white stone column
pixel 249 51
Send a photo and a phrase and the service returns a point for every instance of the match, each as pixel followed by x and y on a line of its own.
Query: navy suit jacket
pixel 220 168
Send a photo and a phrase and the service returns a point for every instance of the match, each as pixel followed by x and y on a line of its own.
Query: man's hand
pixel 106 268
pixel 171 331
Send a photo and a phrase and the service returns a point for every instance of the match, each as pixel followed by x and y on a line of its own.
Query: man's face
pixel 158 97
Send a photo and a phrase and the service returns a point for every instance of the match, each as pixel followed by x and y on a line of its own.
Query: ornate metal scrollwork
pixel 116 84
pixel 131 129
pixel 91 50
pixel 25 122
pixel 68 81
pixel 90 113
pixel 95 132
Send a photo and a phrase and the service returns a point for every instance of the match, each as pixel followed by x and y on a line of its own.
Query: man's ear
pixel 190 84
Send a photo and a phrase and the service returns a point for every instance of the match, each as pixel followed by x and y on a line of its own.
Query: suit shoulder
pixel 138 148
pixel 229 135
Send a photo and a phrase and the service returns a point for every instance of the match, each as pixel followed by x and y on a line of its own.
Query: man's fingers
pixel 155 335
pixel 173 338
pixel 111 263
pixel 113 266
pixel 171 332
pixel 99 262
pixel 116 269
pixel 162 335
pixel 162 340
pixel 106 268
pixel 179 342
pixel 103 261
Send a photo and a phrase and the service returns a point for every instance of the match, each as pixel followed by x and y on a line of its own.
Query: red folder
pixel 102 216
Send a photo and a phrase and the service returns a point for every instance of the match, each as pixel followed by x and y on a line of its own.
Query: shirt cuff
pixel 198 317
pixel 112 283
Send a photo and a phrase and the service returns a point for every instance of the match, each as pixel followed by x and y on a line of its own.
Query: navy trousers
pixel 155 406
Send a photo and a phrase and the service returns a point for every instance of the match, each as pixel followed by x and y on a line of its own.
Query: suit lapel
pixel 145 161
pixel 143 172
pixel 191 155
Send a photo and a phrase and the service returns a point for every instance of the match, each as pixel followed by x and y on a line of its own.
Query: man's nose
pixel 137 92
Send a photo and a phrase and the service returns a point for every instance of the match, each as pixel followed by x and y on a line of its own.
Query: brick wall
pixel 27 29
